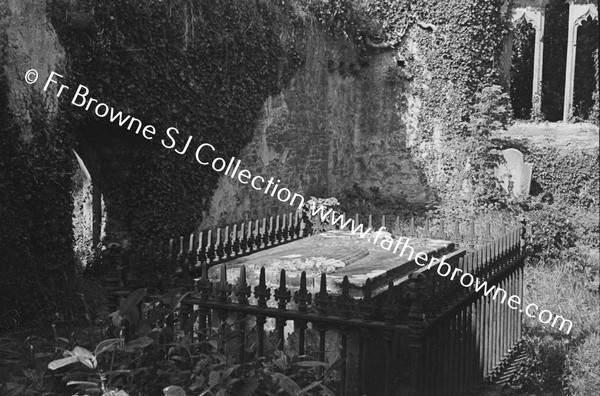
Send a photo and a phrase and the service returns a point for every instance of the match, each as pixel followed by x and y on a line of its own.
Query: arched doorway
pixel 585 87
pixel 88 208
pixel 521 88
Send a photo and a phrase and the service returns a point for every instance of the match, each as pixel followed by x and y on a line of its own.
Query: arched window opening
pixel 88 217
pixel 585 89
pixel 555 58
pixel 521 88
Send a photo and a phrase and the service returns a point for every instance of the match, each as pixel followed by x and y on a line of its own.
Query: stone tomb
pixel 514 174
pixel 339 254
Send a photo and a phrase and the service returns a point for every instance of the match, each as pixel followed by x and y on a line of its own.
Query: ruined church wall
pixel 337 123
pixel 36 254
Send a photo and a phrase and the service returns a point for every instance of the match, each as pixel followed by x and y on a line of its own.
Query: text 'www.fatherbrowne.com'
pixel 83 99
pixel 387 242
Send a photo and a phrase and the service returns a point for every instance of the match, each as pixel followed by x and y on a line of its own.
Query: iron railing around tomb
pixel 180 259
pixel 424 335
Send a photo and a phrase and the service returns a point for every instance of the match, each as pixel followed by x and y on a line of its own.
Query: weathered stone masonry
pixel 336 124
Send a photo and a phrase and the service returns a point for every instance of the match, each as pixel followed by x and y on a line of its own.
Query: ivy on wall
pixel 458 49
pixel 35 210
pixel 569 176
pixel 453 72
pixel 562 209
pixel 203 67
pixel 450 52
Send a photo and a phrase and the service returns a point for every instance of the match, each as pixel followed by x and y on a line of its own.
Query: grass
pixel 556 363
pixel 584 378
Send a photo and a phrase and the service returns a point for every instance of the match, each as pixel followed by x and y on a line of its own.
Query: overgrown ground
pixel 562 273
pixel 100 359
pixel 562 276
pixel 557 364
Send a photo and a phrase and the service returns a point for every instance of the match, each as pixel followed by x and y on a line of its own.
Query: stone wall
pixel 31 43
pixel 36 237
pixel 337 123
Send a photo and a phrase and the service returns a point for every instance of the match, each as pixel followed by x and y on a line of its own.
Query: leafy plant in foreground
pixel 99 381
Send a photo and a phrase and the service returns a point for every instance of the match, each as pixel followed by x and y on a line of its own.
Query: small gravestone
pixel 514 174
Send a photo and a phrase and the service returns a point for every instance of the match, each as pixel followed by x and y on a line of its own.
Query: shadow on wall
pixel 337 123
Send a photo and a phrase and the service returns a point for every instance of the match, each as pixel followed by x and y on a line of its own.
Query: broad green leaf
pixel 287 384
pixel 56 364
pixel 87 383
pixel 106 345
pixel 213 343
pixel 79 351
pixel 131 301
pixel 309 387
pixel 312 363
pixel 174 390
pixel 214 378
pixel 91 363
pixel 42 355
pixel 133 316
pixel 280 360
pixel 138 343
pixel 116 318
pixel 115 372
pixel 228 372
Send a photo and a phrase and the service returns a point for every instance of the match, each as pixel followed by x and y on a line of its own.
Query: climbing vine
pixel 563 209
pixel 450 52
pixel 568 176
pixel 202 67
pixel 35 211
pixel 458 45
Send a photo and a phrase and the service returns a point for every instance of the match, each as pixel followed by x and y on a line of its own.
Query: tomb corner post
pixel 416 335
